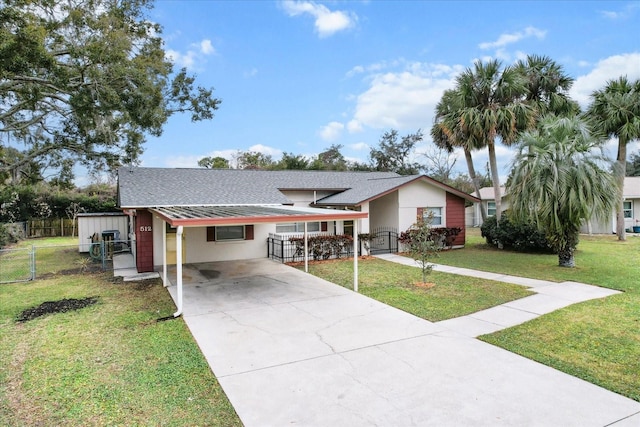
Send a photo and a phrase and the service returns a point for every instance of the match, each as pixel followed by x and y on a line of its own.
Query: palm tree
pixel 559 181
pixel 547 86
pixel 492 105
pixel 447 134
pixel 615 111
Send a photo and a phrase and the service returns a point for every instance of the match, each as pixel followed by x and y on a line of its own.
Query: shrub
pixel 444 235
pixel 521 237
pixel 8 234
pixel 323 246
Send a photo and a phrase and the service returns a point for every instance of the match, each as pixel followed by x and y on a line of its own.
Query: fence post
pixel 103 254
pixel 33 262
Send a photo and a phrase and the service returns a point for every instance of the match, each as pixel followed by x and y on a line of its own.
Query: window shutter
pixel 323 226
pixel 211 234
pixel 248 232
pixel 420 214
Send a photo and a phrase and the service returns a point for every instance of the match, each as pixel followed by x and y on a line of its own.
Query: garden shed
pixel 90 223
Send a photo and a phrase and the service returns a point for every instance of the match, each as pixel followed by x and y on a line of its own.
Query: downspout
pixel 179 269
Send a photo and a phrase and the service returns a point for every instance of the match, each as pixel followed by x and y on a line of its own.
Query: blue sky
pixel 298 76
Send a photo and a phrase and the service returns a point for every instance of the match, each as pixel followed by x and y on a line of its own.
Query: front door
pixel 172 246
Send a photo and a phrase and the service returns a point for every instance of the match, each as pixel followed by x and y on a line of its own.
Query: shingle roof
pixel 156 187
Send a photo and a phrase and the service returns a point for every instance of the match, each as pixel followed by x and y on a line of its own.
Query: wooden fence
pixel 51 227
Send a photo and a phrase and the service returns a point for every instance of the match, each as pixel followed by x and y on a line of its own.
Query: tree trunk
pixel 566 258
pixel 622 171
pixel 496 183
pixel 474 180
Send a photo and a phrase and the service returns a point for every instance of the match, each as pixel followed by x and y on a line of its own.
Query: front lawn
pixel 109 363
pixel 598 340
pixel 395 284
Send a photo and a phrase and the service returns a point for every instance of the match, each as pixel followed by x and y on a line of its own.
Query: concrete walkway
pixel 289 348
pixel 550 296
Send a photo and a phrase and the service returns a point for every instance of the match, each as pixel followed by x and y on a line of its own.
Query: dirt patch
pixel 60 306
pixel 425 285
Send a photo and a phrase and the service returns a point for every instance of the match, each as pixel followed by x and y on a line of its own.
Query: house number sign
pixel 144 228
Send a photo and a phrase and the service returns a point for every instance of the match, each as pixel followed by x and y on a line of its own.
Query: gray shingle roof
pixel 156 187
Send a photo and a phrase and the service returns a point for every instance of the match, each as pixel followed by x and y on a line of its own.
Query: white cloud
pixel 354 126
pixel 251 73
pixel 185 60
pixel 327 22
pixel 607 69
pixel 264 149
pixel 206 47
pixel 359 146
pixel 625 13
pixel 332 131
pixel 506 39
pixel 193 56
pixel 403 100
pixel 183 161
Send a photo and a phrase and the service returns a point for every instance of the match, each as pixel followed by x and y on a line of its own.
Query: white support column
pixel 165 278
pixel 179 269
pixel 306 249
pixel 355 255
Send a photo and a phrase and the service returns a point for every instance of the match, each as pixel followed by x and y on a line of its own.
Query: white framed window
pixel 627 207
pixel 437 215
pixel 229 232
pixel 297 227
pixel 491 208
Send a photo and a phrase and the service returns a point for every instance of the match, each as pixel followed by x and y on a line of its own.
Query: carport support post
pixel 355 255
pixel 306 249
pixel 165 280
pixel 179 268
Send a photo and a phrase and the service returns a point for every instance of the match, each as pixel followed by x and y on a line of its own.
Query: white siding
pixel 199 250
pixel 97 223
pixel 384 211
pixel 415 195
pixel 305 197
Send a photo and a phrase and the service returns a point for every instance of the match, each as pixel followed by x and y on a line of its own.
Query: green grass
pixel 600 260
pixel 107 364
pixel 598 340
pixel 394 284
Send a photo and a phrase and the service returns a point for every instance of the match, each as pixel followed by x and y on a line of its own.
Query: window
pixel 437 215
pixel 491 208
pixel 627 207
pixel 298 227
pixel 348 228
pixel 230 232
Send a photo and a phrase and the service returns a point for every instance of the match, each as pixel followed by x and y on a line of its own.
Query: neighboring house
pixel 473 217
pixel 630 192
pixel 228 214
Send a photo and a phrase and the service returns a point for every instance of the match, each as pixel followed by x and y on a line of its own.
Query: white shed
pixel 89 223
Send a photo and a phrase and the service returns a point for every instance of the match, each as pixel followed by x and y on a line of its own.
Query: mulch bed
pixel 60 306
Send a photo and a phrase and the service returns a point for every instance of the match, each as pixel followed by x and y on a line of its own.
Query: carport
pixel 211 216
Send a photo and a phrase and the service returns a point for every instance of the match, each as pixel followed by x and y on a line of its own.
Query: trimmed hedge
pixel 514 236
pixel 443 235
pixel 324 246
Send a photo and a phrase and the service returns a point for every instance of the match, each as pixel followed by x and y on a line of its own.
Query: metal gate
pixel 17 265
pixel 383 240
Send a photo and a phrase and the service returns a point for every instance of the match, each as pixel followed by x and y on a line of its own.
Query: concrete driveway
pixel 292 349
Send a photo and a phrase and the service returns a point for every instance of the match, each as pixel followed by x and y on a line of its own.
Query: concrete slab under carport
pixel 290 348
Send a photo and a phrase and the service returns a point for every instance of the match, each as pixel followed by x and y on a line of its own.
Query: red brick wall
pixel 455 216
pixel 144 241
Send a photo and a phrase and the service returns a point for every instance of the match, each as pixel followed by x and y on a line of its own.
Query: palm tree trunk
pixel 495 179
pixel 566 258
pixel 622 171
pixel 474 180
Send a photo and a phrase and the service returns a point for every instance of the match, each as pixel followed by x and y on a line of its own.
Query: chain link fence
pixel 30 263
